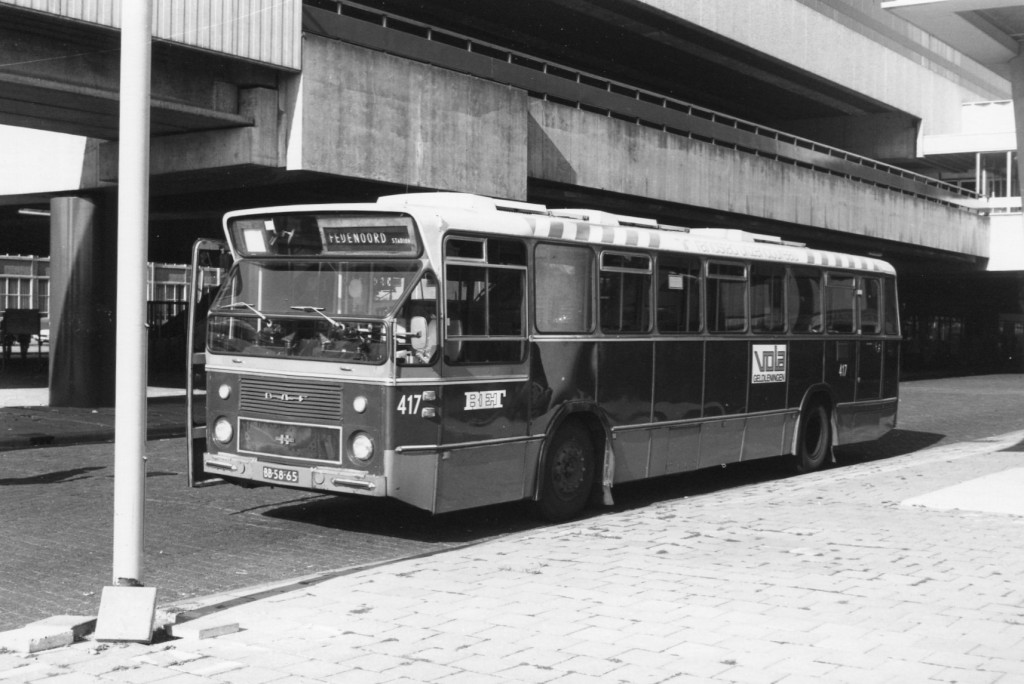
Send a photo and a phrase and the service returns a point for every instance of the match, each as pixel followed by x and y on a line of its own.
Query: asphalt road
pixel 56 511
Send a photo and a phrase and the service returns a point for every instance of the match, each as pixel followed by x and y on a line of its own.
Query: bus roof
pixel 462 211
pixel 599 227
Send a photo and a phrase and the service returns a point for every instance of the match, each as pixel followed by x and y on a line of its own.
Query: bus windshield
pixel 325 310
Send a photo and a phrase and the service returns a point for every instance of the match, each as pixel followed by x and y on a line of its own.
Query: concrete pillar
pixel 82 353
pixel 1016 72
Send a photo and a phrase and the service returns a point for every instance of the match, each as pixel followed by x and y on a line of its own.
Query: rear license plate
pixel 280 474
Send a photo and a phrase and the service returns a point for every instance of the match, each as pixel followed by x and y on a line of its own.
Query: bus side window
pixel 726 294
pixel 563 289
pixel 767 298
pixel 803 301
pixel 871 306
pixel 485 301
pixel 678 294
pixel 625 292
pixel 839 299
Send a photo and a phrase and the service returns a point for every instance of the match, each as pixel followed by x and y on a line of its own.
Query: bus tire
pixel 568 475
pixel 815 439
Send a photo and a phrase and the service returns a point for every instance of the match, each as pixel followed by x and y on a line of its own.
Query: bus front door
pixel 210 259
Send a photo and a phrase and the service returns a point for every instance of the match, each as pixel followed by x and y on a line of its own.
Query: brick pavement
pixel 823 577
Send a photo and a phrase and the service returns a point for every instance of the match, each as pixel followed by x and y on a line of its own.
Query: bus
pixel 453 351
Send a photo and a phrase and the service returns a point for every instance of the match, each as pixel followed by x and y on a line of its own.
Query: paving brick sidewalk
pixel 832 576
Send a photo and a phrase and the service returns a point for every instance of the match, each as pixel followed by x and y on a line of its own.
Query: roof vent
pixel 736 235
pixel 461 200
pixel 603 218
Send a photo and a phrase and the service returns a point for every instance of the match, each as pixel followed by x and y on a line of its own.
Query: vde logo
pixel 476 401
pixel 769 363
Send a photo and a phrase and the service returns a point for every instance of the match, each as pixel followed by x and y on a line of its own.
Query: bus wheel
pixel 815 438
pixel 568 474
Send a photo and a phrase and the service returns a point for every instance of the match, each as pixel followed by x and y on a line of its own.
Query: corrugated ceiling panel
pixel 266 31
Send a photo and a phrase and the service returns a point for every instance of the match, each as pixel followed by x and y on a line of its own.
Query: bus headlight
pixel 224 391
pixel 362 447
pixel 359 404
pixel 222 430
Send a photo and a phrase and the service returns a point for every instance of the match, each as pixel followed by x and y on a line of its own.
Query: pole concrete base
pixel 126 614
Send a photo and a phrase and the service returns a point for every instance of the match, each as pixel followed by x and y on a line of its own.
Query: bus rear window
pixel 871 306
pixel 324 234
pixel 892 316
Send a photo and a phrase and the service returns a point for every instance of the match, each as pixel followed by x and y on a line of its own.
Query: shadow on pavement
pixel 389 518
pixel 49 478
pixel 896 443
pixel 644 493
pixel 1018 447
pixel 32 372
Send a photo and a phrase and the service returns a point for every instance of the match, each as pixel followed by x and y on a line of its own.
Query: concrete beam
pixel 576 147
pixel 878 136
pixel 257 145
pixel 64 77
pixel 367 114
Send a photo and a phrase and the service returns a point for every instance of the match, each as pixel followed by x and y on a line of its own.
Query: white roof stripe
pixel 542 227
pixel 669 241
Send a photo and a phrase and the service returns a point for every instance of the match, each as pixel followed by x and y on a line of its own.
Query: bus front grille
pixel 295 400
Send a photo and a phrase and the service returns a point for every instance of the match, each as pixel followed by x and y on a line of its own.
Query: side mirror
pixel 418 332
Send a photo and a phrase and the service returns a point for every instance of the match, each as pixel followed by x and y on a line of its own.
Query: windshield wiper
pixel 320 310
pixel 247 305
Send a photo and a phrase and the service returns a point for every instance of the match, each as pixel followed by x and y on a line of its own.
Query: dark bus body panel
pixel 806 369
pixel 624 382
pixel 571 380
pixel 476 474
pixel 678 379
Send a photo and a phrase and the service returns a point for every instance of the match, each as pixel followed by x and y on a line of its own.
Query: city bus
pixel 453 351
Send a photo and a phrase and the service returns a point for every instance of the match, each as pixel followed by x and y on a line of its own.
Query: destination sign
pixel 353 238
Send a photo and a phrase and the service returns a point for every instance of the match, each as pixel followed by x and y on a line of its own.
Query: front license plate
pixel 280 474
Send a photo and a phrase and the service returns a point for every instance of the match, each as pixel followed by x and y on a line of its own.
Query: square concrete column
pixel 82 303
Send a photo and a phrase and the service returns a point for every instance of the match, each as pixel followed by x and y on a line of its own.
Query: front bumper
pixel 312 477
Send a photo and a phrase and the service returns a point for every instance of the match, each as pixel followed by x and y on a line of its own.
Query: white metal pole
pixel 132 244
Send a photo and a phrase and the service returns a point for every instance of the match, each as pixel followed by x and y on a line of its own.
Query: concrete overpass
pixel 690 112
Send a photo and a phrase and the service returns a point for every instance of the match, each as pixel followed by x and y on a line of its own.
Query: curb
pixel 196 618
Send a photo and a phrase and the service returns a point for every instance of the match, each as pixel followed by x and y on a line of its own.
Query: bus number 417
pixel 409 404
